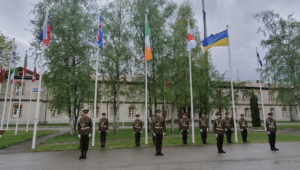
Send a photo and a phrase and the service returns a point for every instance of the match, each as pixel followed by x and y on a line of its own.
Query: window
pixel 235 111
pixel 284 113
pixel 131 111
pixel 97 111
pixel 112 112
pixel 247 112
pixel 19 90
pixel 270 97
pixel 54 113
pixel 260 113
pixel 273 111
pixel 258 96
pixel 16 110
pixel 245 97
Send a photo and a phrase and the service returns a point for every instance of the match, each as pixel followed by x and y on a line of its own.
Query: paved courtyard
pixel 238 156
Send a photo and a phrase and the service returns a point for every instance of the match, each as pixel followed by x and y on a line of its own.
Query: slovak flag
pixel 191 42
pixel 100 33
pixel 259 60
pixel 34 75
pixel 45 35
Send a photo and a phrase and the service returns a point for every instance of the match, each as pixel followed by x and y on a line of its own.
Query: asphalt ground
pixel 238 156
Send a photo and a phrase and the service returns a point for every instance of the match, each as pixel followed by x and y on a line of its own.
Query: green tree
pixel 67 59
pixel 5 51
pixel 256 122
pixel 282 37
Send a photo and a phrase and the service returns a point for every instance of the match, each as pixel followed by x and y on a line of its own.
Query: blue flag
pixel 100 33
pixel 260 62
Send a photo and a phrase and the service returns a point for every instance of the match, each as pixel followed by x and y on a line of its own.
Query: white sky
pixel 15 19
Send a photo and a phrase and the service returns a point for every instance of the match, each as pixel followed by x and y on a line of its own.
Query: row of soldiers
pixel 222 127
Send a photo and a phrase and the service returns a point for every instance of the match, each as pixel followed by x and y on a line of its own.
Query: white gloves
pixel 99 131
pixel 153 134
pixel 133 132
pixel 247 129
pixel 276 132
pixel 151 131
pixel 79 136
pixel 231 129
pixel 207 129
pixel 164 134
pixel 141 132
pixel 216 135
pixel 268 133
pixel 90 135
pixel 201 130
pixel 106 131
pixel 226 129
pixel 188 130
pixel 181 130
pixel 241 130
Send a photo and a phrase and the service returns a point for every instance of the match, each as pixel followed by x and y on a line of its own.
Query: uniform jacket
pixel 228 122
pixel 103 124
pixel 219 127
pixel 85 126
pixel 203 123
pixel 158 125
pixel 137 125
pixel 271 125
pixel 184 124
pixel 243 124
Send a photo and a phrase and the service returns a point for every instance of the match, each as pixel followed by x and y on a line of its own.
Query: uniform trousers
pixel 244 135
pixel 84 142
pixel 137 137
pixel 228 135
pixel 204 135
pixel 103 137
pixel 272 139
pixel 220 141
pixel 158 141
pixel 184 136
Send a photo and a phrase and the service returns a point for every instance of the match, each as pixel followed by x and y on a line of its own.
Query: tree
pixel 67 59
pixel 256 122
pixel 5 50
pixel 282 37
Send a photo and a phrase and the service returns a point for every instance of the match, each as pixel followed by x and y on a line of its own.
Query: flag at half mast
pixel 259 60
pixel 148 55
pixel 191 42
pixel 219 39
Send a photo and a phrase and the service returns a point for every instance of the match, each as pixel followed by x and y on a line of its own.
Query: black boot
pixel 219 150
pixel 159 153
pixel 274 148
pixel 84 156
pixel 222 150
pixel 156 153
pixel 81 157
pixel 136 144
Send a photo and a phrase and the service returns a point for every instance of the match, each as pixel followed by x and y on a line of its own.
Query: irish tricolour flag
pixel 12 77
pixel 148 55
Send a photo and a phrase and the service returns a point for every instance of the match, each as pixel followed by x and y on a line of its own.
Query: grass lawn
pixel 281 127
pixel 123 134
pixel 9 137
pixel 173 141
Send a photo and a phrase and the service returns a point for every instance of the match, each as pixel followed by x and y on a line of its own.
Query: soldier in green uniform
pixel 203 126
pixel 244 128
pixel 84 133
pixel 103 129
pixel 219 128
pixel 153 136
pixel 159 128
pixel 272 131
pixel 228 127
pixel 137 129
pixel 184 126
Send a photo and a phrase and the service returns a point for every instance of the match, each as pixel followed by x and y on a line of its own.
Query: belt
pixel 104 126
pixel 85 128
pixel 158 127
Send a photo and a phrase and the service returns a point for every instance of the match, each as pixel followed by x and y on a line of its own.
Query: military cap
pixel 218 114
pixel 158 111
pixel 184 114
pixel 137 115
pixel 85 111
pixel 270 114
pixel 242 115
pixel 103 114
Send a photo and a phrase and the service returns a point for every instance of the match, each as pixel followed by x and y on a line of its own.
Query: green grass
pixel 281 127
pixel 173 141
pixel 9 137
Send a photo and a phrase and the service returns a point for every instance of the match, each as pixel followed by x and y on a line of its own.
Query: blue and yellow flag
pixel 219 39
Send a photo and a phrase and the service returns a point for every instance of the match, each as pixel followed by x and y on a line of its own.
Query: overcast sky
pixel 15 19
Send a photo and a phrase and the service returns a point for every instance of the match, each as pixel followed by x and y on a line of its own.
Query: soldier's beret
pixel 137 115
pixel 85 111
pixel 226 113
pixel 103 114
pixel 158 111
pixel 270 114
pixel 242 115
pixel 218 114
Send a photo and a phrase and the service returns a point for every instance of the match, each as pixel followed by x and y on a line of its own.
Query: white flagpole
pixel 232 96
pixel 146 98
pixel 5 100
pixel 95 100
pixel 19 107
pixel 261 96
pixel 38 99
pixel 191 89
pixel 9 106
pixel 29 107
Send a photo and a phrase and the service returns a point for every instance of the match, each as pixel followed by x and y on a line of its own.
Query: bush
pixel 256 122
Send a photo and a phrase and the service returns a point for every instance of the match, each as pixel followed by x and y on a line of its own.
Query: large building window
pixel 54 113
pixel 270 97
pixel 247 112
pixel 19 90
pixel 131 111
pixel 15 114
pixel 258 96
pixel 245 97
pixel 273 111
pixel 97 111
pixel 112 111
pixel 284 113
pixel 260 113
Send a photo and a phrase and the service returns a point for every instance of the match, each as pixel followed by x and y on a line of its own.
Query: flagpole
pixel 146 98
pixel 7 84
pixel 29 107
pixel 95 100
pixel 232 96
pixel 8 116
pixel 38 99
pixel 191 89
pixel 19 107
pixel 261 96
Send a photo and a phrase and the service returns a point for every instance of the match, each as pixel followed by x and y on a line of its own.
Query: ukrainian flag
pixel 219 39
